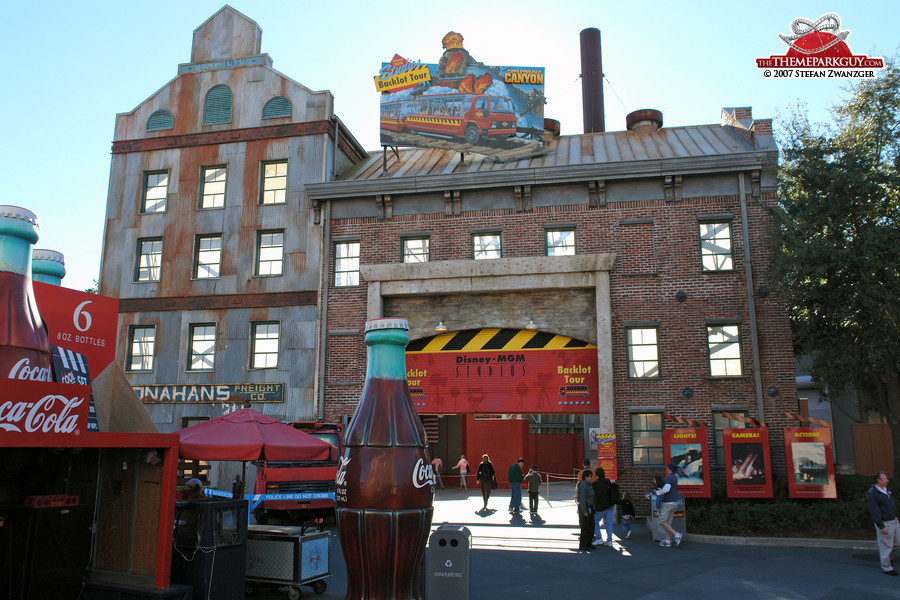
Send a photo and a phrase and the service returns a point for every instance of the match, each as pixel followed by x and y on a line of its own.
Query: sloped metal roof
pixel 584 149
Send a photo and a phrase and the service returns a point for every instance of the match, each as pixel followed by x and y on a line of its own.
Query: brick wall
pixel 658 254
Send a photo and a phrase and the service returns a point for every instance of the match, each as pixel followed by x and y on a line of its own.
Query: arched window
pixel 160 119
pixel 277 107
pixel 217 107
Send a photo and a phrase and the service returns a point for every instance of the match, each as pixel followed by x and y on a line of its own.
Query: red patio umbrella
pixel 250 435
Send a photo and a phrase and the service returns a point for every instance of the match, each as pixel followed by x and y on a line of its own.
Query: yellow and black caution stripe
pixel 493 339
pixel 433 120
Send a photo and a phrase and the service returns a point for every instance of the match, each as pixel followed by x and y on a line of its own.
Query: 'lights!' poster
pixel 688 449
pixel 748 473
pixel 809 461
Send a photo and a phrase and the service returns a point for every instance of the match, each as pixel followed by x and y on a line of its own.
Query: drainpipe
pixel 751 302
pixel 323 312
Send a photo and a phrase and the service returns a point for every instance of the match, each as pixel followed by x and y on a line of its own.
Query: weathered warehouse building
pixel 645 245
pixel 209 245
pixel 249 237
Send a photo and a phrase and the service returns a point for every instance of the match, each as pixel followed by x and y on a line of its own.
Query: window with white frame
pixel 212 186
pixel 346 264
pixel 486 245
pixel 560 241
pixel 156 189
pixel 264 345
pixel 273 183
pixel 643 352
pixel 715 246
pixel 416 249
pixel 141 348
pixel 149 259
pixel 724 350
pixel 269 253
pixel 202 347
pixel 208 257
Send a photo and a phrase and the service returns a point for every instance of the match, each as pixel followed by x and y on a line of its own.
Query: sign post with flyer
pixel 688 449
pixel 606 454
pixel 747 455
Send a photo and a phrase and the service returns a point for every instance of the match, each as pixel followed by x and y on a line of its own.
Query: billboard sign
pixel 688 449
pixel 748 472
pixel 809 461
pixel 462 104
pixel 502 371
pixel 80 322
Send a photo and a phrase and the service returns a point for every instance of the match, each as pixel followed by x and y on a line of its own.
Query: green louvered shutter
pixel 277 107
pixel 217 108
pixel 159 120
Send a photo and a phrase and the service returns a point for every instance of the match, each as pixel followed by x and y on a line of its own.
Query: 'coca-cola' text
pixel 24 370
pixel 53 413
pixel 423 474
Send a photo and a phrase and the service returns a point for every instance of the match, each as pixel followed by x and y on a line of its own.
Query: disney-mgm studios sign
pixel 232 393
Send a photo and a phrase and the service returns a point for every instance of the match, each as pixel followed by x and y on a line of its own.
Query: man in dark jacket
pixel 883 510
pixel 584 497
pixel 516 476
pixel 604 510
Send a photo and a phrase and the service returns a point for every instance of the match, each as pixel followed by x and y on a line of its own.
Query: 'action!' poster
pixel 747 455
pixel 687 448
pixel 809 462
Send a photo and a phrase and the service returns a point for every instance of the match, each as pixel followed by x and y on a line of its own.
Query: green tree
pixel 836 259
pixel 95 287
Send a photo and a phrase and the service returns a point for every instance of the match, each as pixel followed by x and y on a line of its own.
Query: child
pixel 657 500
pixel 627 513
pixel 533 480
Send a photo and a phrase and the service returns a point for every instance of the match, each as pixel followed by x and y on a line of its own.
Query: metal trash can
pixel 449 563
pixel 678 521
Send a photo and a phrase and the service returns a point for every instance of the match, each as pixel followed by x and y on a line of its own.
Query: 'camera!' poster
pixel 747 455
pixel 687 448
pixel 462 104
pixel 809 462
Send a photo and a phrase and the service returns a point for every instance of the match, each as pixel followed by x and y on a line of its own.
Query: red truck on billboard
pixel 299 477
pixel 469 116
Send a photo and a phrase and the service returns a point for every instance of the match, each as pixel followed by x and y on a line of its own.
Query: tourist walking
pixel 515 477
pixel 883 510
pixel 584 497
pixel 533 483
pixel 487 477
pixel 463 466
pixel 604 507
pixel 436 465
pixel 668 493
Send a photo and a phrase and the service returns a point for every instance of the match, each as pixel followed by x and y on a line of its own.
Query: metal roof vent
pixel 644 120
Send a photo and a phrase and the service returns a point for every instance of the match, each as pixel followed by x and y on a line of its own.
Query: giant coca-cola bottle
pixel 24 346
pixel 385 485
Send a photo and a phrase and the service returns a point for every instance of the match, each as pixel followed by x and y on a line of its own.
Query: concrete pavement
pixel 516 556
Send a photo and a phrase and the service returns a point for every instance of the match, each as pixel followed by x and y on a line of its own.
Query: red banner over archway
pixel 502 371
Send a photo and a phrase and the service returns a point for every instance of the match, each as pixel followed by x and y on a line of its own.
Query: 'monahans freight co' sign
pixel 231 393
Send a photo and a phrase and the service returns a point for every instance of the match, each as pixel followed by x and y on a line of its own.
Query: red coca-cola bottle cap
pixel 388 323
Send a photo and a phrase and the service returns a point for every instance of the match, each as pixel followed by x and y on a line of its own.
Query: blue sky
pixel 70 67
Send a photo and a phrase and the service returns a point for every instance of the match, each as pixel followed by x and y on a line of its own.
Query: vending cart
pixel 287 556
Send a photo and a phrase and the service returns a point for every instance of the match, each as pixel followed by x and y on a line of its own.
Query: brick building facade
pixel 669 229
